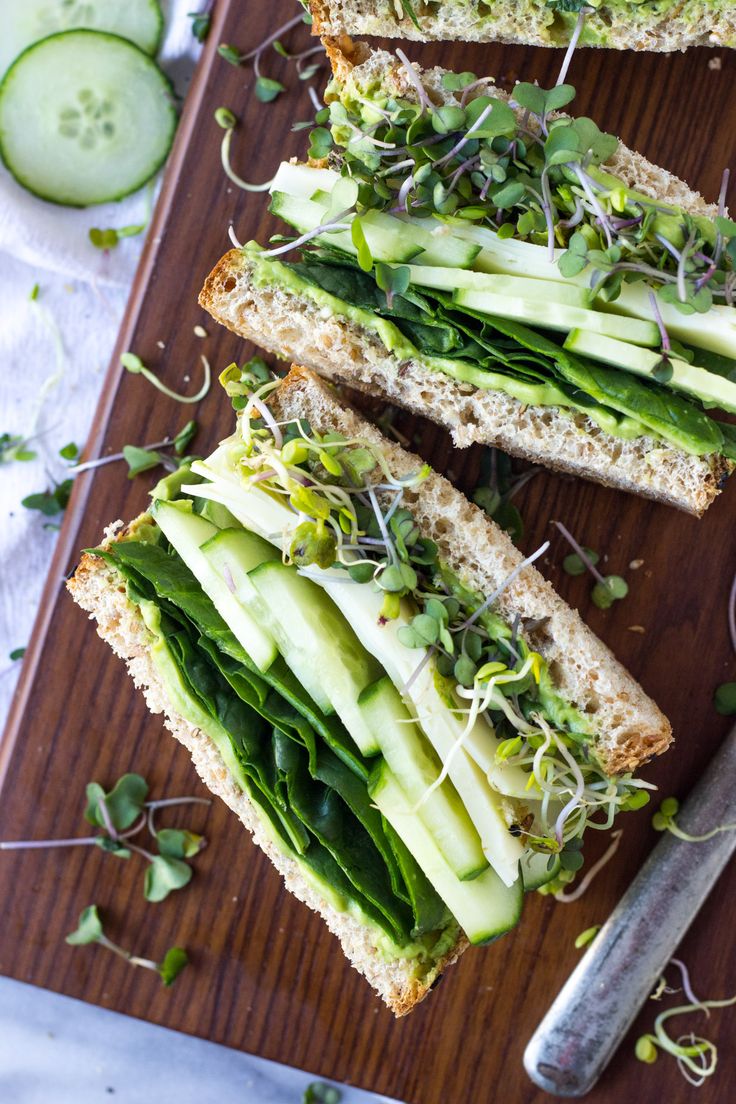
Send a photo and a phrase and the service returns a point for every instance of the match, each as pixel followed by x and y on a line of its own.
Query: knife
pixel 600 1000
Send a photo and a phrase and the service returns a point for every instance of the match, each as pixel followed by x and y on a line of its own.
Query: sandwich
pixel 506 270
pixel 409 721
pixel 618 24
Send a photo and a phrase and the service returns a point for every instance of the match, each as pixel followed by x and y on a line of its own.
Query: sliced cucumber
pixel 484 907
pixel 415 767
pixel 450 279
pixel 318 645
pixel 711 389
pixel 390 239
pixel 187 532
pixel 535 869
pixel 556 316
pixel 85 117
pixel 28 21
pixel 233 553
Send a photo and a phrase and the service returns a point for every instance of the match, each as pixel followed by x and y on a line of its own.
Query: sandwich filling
pixel 553 20
pixel 401 740
pixel 485 240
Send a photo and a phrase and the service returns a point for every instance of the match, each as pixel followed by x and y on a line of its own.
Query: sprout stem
pixel 575 894
pixel 581 553
pixel 579 24
pixel 230 172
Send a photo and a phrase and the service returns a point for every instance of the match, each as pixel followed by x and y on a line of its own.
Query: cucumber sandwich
pixel 619 24
pixel 410 722
pixel 510 272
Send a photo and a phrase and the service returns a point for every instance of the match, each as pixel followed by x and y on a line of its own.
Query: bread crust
pixel 98 588
pixel 532 24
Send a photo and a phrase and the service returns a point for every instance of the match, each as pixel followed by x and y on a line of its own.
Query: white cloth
pixel 54 351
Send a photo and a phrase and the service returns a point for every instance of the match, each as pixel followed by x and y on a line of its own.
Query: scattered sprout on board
pixel 90 930
pixel 133 364
pixel 664 821
pixel 608 588
pixel 696 1056
pixel 122 814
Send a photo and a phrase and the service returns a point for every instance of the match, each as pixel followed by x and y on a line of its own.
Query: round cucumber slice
pixel 28 21
pixel 85 117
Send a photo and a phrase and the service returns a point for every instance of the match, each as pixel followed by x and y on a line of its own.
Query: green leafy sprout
pixel 89 930
pixel 607 589
pixel 320 1093
pixel 521 170
pixel 586 937
pixel 201 22
pixel 133 364
pixel 664 821
pixel 267 88
pixel 142 458
pixel 121 814
pixel 496 488
pixel 696 1056
pixel 353 514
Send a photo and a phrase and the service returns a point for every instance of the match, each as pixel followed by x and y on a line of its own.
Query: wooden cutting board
pixel 266 975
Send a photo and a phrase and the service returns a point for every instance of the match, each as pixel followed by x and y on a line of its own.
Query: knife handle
pixel 600 1000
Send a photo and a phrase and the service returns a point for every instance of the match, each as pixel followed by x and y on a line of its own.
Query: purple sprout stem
pixel 37 845
pixel 547 208
pixel 686 985
pixel 465 138
pixel 681 285
pixel 721 211
pixel 109 826
pixel 413 76
pixel 660 323
pixel 272 38
pixel 581 553
pixel 593 198
pixel 325 228
pixel 418 670
pixel 579 24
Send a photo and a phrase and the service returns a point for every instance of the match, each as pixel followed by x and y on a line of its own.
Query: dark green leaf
pixel 178 843
pixel 267 89
pixel 69 452
pixel 17 653
pixel 318 1092
pixel 88 930
pixel 725 699
pixel 175 960
pixel 229 54
pixel 124 802
pixel 140 460
pixel 184 438
pixel 165 875
pixel 200 24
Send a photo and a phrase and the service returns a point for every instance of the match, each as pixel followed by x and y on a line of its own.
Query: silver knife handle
pixel 600 1000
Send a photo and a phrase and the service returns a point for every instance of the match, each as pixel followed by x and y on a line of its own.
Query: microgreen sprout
pixel 121 815
pixel 90 930
pixel 586 937
pixel 696 1057
pixel 565 897
pixel 51 502
pixel 14 447
pixel 724 697
pixel 609 588
pixel 16 654
pixel 267 88
pixel 353 515
pixel 228 121
pixel 142 458
pixel 133 364
pixel 496 488
pixel 521 170
pixel 664 821
pixel 201 22
pixel 320 1093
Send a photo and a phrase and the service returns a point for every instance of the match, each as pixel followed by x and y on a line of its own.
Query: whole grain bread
pixel 532 22
pixel 99 589
pixel 298 328
pixel 628 727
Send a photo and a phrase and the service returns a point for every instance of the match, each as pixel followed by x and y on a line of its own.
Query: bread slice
pixel 98 588
pixel 618 25
pixel 630 728
pixel 297 328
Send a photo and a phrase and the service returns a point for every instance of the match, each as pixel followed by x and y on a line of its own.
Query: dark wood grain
pixel 267 976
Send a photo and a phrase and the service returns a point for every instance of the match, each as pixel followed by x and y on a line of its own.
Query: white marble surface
pixel 54 1050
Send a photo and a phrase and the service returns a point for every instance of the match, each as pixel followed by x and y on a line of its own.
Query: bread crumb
pixel 161 344
pixel 200 331
pixel 714 63
pixel 635 565
pixel 637 629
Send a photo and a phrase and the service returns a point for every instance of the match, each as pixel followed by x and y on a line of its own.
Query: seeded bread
pixel 623 26
pixel 99 590
pixel 298 329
